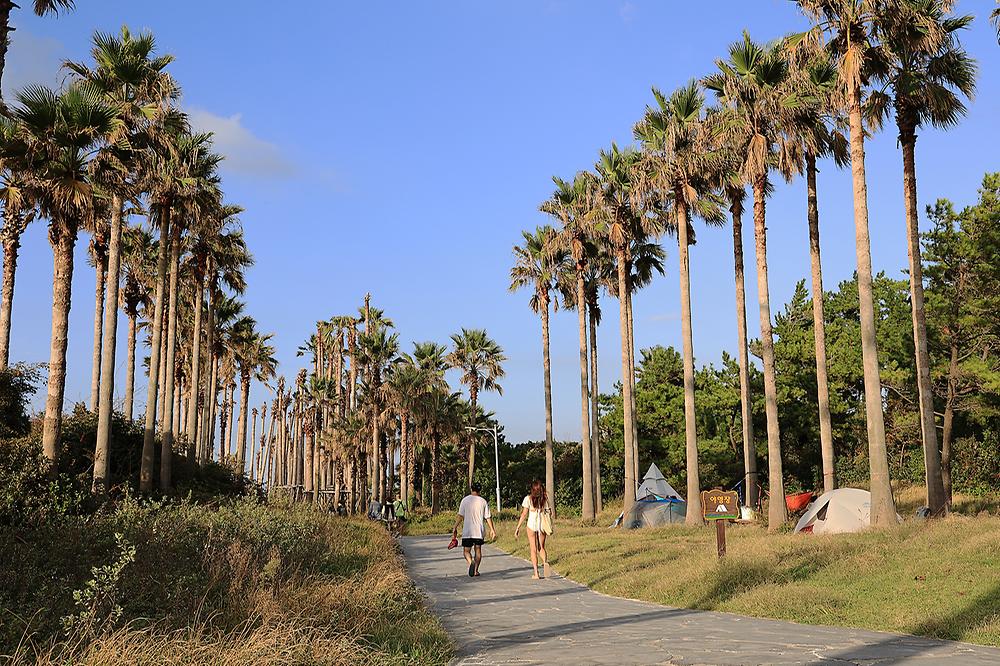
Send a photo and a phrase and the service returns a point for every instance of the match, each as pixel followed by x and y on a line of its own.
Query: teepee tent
pixel 655 484
pixel 838 511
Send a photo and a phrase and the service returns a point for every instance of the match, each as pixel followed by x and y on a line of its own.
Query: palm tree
pixel 59 132
pixel 443 416
pixel 133 79
pixel 407 385
pixel 753 86
pixel 849 25
pixel 254 356
pixel 734 191
pixel 480 360
pixel 571 204
pixel 138 263
pixel 679 160
pixel 378 351
pixel 812 133
pixel 18 213
pixel 922 74
pixel 537 263
pixel 41 8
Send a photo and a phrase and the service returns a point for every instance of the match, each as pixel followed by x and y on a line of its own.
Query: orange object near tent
pixel 798 501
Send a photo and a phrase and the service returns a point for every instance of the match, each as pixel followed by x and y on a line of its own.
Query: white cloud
pixel 31 59
pixel 245 152
pixel 627 12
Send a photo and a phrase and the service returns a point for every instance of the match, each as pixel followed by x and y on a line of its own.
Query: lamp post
pixel 496 457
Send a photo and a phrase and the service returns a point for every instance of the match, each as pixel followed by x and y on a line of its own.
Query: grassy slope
pixel 241 584
pixel 934 579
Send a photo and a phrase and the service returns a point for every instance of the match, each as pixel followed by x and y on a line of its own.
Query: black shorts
pixel 469 543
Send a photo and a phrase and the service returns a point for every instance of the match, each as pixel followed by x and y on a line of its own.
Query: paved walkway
pixel 504 617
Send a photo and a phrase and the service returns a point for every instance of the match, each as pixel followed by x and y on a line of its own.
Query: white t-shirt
pixel 474 511
pixel 534 515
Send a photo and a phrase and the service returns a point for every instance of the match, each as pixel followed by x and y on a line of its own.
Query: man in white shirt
pixel 474 516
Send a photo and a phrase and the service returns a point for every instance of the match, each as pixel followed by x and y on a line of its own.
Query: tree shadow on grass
pixel 979 611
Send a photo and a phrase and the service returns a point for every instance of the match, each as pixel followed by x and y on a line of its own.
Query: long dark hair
pixel 538 495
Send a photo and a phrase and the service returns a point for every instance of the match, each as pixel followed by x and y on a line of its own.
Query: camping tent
pixel 653 511
pixel 836 512
pixel 655 484
pixel 657 503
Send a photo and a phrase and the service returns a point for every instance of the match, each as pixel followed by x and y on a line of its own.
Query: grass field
pixel 938 578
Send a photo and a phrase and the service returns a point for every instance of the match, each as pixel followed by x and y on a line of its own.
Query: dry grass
pixel 264 586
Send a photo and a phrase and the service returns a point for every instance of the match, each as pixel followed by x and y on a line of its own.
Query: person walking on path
pixel 535 511
pixel 474 516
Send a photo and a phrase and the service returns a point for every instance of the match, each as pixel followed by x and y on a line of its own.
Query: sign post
pixel 720 506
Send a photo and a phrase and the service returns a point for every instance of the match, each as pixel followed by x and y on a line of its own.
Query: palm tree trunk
pixel 211 408
pixel 435 473
pixel 167 440
pixel 595 440
pixel 746 406
pixel 230 418
pixel 162 388
pixel 550 475
pixel 410 472
pixel 819 330
pixel 776 511
pixel 254 452
pixel 241 438
pixel 195 379
pixel 694 514
pixel 936 498
pixel 101 274
pixel 473 433
pixel 130 369
pixel 883 509
pixel 5 30
pixel 106 397
pixel 149 433
pixel 586 450
pixel 308 458
pixel 13 227
pixel 376 448
pixel 949 419
pixel 405 476
pixel 636 472
pixel 62 236
pixel 627 397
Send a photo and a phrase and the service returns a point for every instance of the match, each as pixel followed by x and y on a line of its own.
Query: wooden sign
pixel 720 505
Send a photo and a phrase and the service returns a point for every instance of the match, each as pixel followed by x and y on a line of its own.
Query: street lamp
pixel 496 457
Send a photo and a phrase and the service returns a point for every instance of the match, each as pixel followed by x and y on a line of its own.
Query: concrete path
pixel 504 617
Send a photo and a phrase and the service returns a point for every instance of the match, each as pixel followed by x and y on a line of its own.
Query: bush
pixel 17 384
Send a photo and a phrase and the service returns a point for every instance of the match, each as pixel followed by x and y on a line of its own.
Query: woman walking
pixel 535 511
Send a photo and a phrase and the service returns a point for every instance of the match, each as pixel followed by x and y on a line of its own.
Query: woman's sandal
pixel 546 570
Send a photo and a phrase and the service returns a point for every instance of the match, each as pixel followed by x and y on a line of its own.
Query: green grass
pixel 935 578
pixel 242 583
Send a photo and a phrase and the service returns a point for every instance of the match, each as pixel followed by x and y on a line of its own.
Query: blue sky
pixel 400 148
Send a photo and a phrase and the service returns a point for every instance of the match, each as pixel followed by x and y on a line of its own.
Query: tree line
pixel 369 421
pixel 110 153
pixel 780 108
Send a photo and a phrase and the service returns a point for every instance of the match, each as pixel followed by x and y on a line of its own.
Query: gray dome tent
pixel 657 503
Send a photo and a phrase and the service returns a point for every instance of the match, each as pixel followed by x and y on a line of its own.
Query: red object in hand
pixel 453 543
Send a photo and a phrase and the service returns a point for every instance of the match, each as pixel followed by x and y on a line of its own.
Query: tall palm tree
pixel 377 351
pixel 678 161
pixel 255 360
pixel 626 221
pixel 60 132
pixel 537 263
pixel 922 75
pixel 18 213
pixel 572 203
pixel 41 8
pixel 138 263
pixel 133 79
pixel 812 132
pixel 849 25
pixel 480 360
pixel 754 87
pixel 407 384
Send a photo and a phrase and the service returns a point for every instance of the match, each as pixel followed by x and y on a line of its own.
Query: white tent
pixel 654 483
pixel 838 511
